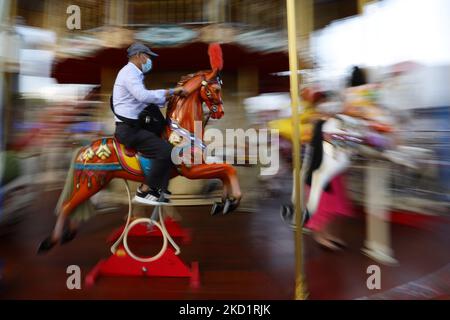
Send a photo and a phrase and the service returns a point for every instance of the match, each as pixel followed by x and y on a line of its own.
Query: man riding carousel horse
pixel 130 98
pixel 142 147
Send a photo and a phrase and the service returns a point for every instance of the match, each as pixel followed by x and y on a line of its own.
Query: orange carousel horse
pixel 95 165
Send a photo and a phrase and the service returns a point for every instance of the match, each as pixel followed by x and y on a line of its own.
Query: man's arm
pixel 136 87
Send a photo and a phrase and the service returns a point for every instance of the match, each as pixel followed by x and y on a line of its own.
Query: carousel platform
pixel 240 256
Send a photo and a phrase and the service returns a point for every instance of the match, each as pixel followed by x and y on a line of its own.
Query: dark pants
pixel 150 146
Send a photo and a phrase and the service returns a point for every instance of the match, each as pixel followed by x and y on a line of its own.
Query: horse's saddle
pixel 128 158
pixel 129 152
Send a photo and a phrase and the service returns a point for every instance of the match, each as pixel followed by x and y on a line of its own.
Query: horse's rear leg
pixel 232 192
pixel 60 233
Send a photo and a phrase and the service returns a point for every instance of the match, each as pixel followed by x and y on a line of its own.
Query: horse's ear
pixel 215 59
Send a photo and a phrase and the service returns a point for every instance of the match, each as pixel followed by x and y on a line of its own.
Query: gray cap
pixel 139 47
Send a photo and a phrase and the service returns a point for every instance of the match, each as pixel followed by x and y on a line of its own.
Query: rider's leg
pixel 159 151
pixel 126 134
pixel 150 146
pixel 166 178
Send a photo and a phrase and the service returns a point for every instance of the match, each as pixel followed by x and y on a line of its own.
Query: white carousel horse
pixel 333 144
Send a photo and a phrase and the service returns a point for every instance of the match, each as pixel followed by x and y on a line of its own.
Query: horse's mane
pixel 174 100
pixel 186 78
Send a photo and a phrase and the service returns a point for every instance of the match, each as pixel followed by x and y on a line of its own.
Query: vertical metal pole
pixel 300 285
pixel 362 4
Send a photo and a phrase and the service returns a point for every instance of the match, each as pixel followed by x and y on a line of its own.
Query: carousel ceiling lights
pixel 165 36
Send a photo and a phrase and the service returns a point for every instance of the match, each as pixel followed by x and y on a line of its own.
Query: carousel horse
pixel 95 165
pixel 334 142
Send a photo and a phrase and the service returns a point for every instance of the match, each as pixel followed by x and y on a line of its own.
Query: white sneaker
pixel 150 197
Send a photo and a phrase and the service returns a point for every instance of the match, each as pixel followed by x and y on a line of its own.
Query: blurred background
pixel 55 85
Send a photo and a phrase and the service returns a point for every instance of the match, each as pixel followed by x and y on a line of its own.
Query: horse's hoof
pixel 216 208
pixel 230 205
pixel 68 235
pixel 306 217
pixel 46 245
pixel 287 215
pixel 282 210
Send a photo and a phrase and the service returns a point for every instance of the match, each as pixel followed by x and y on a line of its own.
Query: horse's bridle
pixel 204 83
pixel 175 126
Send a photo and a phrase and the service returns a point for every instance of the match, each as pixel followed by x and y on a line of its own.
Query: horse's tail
pixel 84 209
pixel 68 184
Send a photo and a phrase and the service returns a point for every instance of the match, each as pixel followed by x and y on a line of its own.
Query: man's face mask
pixel 147 66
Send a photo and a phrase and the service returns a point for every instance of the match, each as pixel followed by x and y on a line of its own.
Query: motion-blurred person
pixel 130 98
pixel 324 202
pixel 334 201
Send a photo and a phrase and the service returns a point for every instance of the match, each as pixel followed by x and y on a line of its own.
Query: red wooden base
pixel 122 265
pixel 141 230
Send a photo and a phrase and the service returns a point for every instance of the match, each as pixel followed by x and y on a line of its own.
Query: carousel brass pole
pixel 300 285
pixel 362 4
